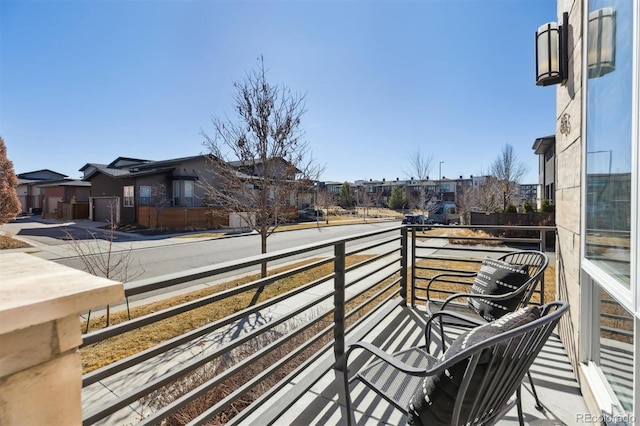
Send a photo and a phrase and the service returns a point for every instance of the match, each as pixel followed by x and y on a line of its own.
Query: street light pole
pixel 440 179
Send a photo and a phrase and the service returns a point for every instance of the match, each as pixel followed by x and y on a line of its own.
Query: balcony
pixel 263 349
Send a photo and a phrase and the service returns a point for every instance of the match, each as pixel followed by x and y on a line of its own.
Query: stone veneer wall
pixel 569 119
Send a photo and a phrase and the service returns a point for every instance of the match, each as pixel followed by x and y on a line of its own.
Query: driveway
pixel 34 229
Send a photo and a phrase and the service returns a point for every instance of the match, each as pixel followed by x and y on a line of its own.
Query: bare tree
pixel 260 159
pixel 324 199
pixel 364 198
pixel 9 203
pixel 419 167
pixel 159 200
pixel 485 195
pixel 100 257
pixel 508 171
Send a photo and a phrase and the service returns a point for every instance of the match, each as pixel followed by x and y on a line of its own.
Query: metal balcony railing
pixel 224 369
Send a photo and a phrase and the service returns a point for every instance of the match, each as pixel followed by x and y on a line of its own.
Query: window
pixel 616 351
pixel 609 152
pixel 188 193
pixel 176 192
pixel 128 196
pixel 145 195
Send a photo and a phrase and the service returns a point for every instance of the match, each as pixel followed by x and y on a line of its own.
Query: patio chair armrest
pixel 385 357
pixel 437 277
pixel 502 296
pixel 458 318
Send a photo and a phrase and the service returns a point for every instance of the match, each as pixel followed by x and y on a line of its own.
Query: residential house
pixel 545 149
pixel 254 171
pixel 528 193
pixel 66 199
pixel 120 187
pixel 29 194
pixel 169 193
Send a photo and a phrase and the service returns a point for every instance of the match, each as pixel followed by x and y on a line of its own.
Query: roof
pixel 67 182
pixel 105 170
pixel 86 166
pixel 542 145
pixel 153 164
pixel 125 167
pixel 147 172
pixel 257 161
pixel 43 174
pixel 122 162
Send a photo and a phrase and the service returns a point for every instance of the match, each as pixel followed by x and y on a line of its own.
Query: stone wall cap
pixel 35 291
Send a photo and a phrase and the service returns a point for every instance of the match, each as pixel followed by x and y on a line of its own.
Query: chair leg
pixel 347 397
pixel 519 405
pixel 539 406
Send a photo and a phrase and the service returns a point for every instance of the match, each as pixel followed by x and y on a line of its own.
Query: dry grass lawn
pixel 7 242
pixel 549 277
pixel 119 347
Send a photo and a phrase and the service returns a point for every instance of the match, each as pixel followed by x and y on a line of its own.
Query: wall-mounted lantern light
pixel 601 45
pixel 552 61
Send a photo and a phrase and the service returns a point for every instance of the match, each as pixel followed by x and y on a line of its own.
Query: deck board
pixel 321 405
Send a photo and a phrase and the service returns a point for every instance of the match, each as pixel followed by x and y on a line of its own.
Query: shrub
pixel 547 207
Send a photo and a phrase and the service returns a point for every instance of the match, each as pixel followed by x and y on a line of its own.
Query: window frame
pixel 593 277
pixel 176 198
pixel 144 200
pixel 189 186
pixel 128 196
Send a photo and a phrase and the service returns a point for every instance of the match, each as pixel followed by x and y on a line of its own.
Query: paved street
pixel 158 255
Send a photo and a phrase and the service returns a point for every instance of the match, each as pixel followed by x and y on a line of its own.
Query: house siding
pixel 105 186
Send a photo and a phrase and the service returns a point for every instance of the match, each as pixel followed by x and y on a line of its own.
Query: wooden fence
pixel 181 218
pixel 515 219
pixel 72 211
pixel 191 218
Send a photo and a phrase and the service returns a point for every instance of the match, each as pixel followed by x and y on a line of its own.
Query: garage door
pixel 105 208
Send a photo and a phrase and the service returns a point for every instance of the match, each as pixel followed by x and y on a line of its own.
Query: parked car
pixel 310 215
pixel 444 213
pixel 415 219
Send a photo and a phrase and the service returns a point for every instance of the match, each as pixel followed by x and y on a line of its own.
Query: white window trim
pixel 629 298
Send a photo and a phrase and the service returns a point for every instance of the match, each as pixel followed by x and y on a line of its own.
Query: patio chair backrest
pixel 537 262
pixel 495 368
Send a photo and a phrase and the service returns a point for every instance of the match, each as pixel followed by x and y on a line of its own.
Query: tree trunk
pixel 263 250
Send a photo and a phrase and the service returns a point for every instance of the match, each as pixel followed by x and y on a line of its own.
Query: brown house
pixel 67 199
pixel 29 193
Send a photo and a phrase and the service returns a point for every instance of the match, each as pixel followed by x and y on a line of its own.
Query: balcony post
pixel 40 366
pixel 339 300
pixel 403 265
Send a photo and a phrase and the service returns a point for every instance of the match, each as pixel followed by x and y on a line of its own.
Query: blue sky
pixel 85 81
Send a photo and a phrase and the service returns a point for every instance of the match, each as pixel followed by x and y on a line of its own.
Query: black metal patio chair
pixel 473 382
pixel 501 286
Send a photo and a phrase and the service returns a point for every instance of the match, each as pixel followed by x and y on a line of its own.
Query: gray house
pixel 120 187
